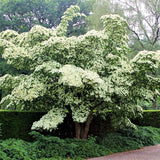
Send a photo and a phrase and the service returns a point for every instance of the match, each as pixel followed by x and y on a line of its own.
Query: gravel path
pixel 146 153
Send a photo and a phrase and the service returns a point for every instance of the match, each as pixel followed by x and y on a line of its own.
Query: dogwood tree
pixel 76 75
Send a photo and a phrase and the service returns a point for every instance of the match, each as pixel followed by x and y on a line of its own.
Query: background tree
pixel 143 19
pixel 22 15
pixel 100 8
pixel 77 75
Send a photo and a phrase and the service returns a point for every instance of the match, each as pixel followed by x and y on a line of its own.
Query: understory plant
pixel 54 148
pixel 129 139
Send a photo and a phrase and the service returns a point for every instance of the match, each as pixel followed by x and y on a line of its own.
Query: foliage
pixel 4 68
pixel 50 148
pixel 150 118
pixel 15 149
pixel 0 129
pixel 144 135
pixel 118 143
pixel 45 147
pixel 129 139
pixel 88 148
pixel 22 15
pixel 77 74
pixel 54 146
pixel 17 124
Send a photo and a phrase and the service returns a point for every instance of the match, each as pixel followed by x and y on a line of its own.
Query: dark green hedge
pixel 150 118
pixel 18 124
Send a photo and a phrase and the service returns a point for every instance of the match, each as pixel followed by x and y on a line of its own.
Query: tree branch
pixel 156 37
pixel 138 38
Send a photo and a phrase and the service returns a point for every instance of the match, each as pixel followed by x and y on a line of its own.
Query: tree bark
pixel 87 125
pixel 82 129
pixel 78 130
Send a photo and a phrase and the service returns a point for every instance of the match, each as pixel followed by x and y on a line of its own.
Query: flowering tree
pixel 76 75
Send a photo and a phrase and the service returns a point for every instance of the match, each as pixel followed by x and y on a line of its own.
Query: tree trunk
pixel 78 130
pixel 87 125
pixel 154 104
pixel 82 129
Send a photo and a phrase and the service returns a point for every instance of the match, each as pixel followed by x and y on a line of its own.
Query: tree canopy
pixel 77 75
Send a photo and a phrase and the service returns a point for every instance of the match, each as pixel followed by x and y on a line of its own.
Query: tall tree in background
pixel 21 15
pixel 100 8
pixel 143 17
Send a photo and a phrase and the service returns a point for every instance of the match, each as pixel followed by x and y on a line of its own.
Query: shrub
pixel 47 146
pixel 128 139
pixel 54 148
pixel 15 149
pixel 116 142
pixel 144 135
pixel 88 148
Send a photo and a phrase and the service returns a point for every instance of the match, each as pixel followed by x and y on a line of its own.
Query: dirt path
pixel 146 153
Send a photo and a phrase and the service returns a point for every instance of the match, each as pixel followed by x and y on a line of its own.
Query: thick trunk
pixel 82 129
pixel 78 130
pixel 87 125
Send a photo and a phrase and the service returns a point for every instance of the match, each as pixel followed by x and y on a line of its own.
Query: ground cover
pixel 50 148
